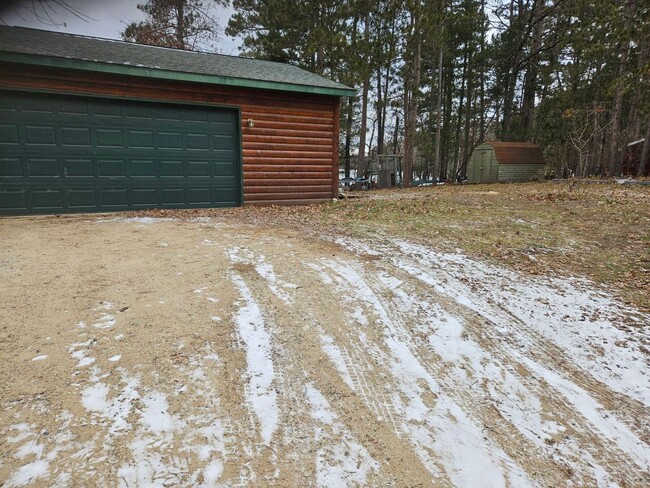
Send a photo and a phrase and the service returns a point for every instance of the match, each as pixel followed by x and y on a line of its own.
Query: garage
pixel 96 125
pixel 65 153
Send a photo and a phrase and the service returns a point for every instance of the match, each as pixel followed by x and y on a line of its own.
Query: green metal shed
pixel 505 162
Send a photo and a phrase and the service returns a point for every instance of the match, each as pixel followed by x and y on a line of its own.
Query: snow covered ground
pixel 231 356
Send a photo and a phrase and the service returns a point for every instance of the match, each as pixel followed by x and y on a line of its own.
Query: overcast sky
pixel 102 18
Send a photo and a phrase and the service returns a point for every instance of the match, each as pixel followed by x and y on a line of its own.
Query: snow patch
pixel 344 462
pixel 257 341
pixel 29 473
pixel 155 416
pixel 334 354
pixel 265 270
pixel 106 321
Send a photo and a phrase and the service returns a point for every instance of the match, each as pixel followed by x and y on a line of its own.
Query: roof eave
pixel 146 72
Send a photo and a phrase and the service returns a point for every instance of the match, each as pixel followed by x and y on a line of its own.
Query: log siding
pixel 290 154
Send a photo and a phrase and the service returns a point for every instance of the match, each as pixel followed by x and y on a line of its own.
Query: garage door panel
pixel 173 197
pixel 8 104
pixel 198 169
pixel 78 168
pixel 146 197
pixel 11 168
pixel 8 134
pixel 140 139
pixel 226 195
pixel 197 142
pixel 106 110
pixel 44 168
pixel 47 199
pixel 65 153
pixel 195 116
pixel 109 138
pixel 170 140
pixel 40 104
pixel 171 169
pixel 13 199
pixel 225 118
pixel 71 106
pixel 40 135
pixel 82 199
pixel 199 196
pixel 113 197
pixel 75 136
pixel 138 111
pixel 223 143
pixel 111 168
pixel 167 113
pixel 224 169
pixel 141 168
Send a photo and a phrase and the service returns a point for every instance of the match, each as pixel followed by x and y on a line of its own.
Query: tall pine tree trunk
pixel 411 87
pixel 348 134
pixel 530 79
pixel 459 121
pixel 380 113
pixel 361 162
pixel 482 80
pixel 436 164
pixel 615 134
pixel 447 119
pixel 468 108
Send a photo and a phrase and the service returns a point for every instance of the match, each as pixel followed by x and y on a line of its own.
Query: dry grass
pixel 601 232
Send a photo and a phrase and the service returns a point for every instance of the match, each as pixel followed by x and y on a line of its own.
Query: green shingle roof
pixel 33 46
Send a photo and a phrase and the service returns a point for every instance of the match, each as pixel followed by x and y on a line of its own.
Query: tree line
pixel 438 77
pixel 435 78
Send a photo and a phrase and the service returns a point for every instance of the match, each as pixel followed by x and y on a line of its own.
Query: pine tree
pixel 180 24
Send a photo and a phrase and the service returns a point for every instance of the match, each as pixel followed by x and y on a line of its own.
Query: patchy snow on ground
pixel 570 313
pixel 533 320
pixel 450 430
pixel 257 341
pixel 414 367
pixel 346 463
pixel 265 270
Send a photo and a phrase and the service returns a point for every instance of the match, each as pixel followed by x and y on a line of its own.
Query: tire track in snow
pixel 615 464
pixel 540 351
pixel 438 426
pixel 312 455
pixel 487 382
pixel 295 369
pixel 341 460
pixel 252 331
pixel 548 316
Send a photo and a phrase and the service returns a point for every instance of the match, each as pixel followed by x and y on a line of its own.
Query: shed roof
pixel 517 152
pixel 33 46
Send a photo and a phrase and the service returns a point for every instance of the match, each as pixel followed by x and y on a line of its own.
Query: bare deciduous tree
pixel 181 24
pixel 46 12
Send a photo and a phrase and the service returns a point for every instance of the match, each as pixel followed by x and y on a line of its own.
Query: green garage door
pixel 63 154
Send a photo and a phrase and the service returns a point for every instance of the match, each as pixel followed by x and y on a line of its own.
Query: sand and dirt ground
pixel 203 352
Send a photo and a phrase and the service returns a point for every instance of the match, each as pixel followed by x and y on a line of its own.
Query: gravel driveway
pixel 161 352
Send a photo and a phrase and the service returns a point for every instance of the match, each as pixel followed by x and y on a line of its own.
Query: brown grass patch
pixel 601 232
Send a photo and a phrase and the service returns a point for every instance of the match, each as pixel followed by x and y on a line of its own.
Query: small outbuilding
pixel 89 124
pixel 632 159
pixel 504 162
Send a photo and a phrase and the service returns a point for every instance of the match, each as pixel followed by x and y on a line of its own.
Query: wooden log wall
pixel 290 154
